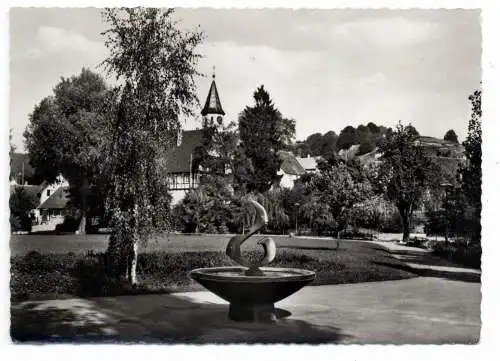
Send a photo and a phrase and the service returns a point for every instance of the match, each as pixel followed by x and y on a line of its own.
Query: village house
pixel 52 197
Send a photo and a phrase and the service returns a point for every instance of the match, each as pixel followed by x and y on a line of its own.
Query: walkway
pixel 421 310
pixel 424 263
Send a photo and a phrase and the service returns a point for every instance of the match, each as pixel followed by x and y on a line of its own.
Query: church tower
pixel 212 111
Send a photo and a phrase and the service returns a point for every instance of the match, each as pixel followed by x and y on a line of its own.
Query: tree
pixel 471 173
pixel 337 187
pixel 366 143
pixel 273 202
pixel 451 136
pixel 216 153
pixel 21 203
pixel 406 172
pixel 156 62
pixel 347 138
pixel 263 133
pixel 329 146
pixel 65 136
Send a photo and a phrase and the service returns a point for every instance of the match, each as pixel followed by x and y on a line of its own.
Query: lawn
pixel 53 275
pixel 63 244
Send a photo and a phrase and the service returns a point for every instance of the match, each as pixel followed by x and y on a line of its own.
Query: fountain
pixel 252 289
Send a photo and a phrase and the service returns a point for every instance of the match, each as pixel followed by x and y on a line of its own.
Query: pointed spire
pixel 212 104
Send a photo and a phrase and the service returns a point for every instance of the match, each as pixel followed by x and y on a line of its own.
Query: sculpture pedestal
pixel 252 313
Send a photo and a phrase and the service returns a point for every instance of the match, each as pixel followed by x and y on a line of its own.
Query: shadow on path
pixel 166 319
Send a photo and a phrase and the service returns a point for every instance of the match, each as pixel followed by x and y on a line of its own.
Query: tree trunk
pixel 406 228
pixel 83 223
pixel 132 250
pixel 132 261
pixel 82 228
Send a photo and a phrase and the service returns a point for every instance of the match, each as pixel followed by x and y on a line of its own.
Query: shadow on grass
pixel 165 319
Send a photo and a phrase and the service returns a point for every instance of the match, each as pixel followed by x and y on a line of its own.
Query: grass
pixel 173 243
pixel 36 276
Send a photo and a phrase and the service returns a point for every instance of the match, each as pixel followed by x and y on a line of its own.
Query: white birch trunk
pixel 133 262
pixel 132 266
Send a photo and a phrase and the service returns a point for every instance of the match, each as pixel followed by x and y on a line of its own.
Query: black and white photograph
pixel 197 176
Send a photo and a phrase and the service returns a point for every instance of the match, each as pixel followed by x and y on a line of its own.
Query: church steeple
pixel 213 108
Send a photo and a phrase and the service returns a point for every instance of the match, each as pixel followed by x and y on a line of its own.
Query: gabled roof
pixel 57 200
pixel 212 104
pixel 178 159
pixel 308 163
pixel 289 164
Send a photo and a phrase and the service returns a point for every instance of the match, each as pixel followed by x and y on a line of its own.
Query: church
pixel 182 177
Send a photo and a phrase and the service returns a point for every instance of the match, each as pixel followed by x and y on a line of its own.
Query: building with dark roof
pixel 179 162
pixel 181 174
pixel 56 201
pixel 290 169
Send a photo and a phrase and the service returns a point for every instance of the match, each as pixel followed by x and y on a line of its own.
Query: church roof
pixel 212 104
pixel 178 159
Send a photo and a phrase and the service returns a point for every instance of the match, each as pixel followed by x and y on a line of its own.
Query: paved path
pixel 424 263
pixel 419 310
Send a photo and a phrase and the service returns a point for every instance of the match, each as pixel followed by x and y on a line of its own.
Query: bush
pixel 21 202
pixel 36 263
pixel 36 274
pixel 356 234
pixel 466 254
pixel 70 224
pixel 417 242
pixel 391 223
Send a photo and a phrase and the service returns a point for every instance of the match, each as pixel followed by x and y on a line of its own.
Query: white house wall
pixel 51 188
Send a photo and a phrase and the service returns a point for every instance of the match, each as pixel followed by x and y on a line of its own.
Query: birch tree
pixel 155 61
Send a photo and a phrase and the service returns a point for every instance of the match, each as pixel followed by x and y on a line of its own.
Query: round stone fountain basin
pixel 252 298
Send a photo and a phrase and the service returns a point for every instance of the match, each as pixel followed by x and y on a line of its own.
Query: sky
pixel 324 68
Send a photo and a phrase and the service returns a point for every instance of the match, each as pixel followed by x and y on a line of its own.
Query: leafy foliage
pixel 406 172
pixel 347 138
pixel 471 174
pixel 263 133
pixel 156 61
pixel 318 145
pixel 336 189
pixel 21 203
pixel 211 208
pixel 451 136
pixel 65 136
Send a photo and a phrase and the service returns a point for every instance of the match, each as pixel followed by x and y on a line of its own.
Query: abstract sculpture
pixel 252 289
pixel 233 249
